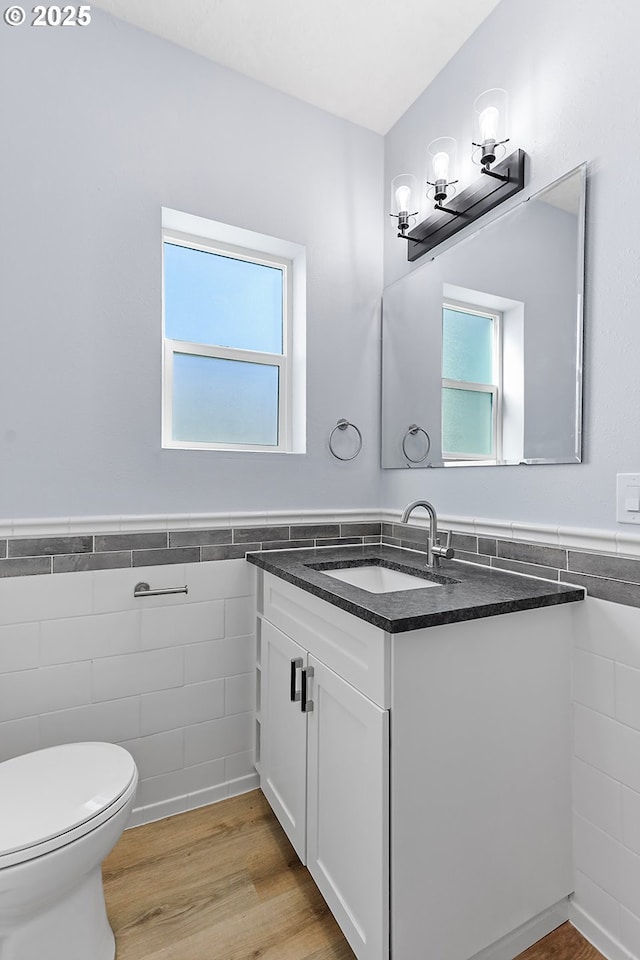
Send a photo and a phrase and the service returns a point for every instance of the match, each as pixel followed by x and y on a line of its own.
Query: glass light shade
pixel 443 157
pixel 490 124
pixel 488 121
pixel 404 195
pixel 441 166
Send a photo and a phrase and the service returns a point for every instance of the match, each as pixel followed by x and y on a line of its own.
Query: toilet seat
pixel 51 797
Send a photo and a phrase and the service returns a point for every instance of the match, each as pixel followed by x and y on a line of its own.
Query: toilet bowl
pixel 62 810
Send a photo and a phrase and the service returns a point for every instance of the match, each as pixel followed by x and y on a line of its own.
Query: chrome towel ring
pixel 413 430
pixel 342 424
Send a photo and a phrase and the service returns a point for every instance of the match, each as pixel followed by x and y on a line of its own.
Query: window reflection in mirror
pixel 471 383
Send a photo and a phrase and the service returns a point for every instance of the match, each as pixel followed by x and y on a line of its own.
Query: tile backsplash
pixel 605 574
pixel 29 556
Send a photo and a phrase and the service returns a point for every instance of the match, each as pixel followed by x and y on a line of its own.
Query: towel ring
pixel 342 424
pixel 412 431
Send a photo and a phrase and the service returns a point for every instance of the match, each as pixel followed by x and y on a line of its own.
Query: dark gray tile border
pixel 148 558
pixel 473 557
pixel 487 546
pixel 48 546
pixel 614 590
pixel 360 529
pixel 286 544
pixel 528 569
pixel 338 541
pixel 129 541
pixel 25 567
pixel 401 531
pixel 461 541
pixel 312 531
pixel 532 553
pixel 605 576
pixel 75 562
pixel 412 545
pixel 389 541
pixel 231 551
pixel 253 534
pixel 611 568
pixel 197 538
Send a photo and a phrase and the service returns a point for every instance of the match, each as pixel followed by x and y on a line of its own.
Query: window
pixel 229 355
pixel 471 383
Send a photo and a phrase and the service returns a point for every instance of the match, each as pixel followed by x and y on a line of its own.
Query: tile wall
pixel 172 678
pixel 606 776
pixel 29 556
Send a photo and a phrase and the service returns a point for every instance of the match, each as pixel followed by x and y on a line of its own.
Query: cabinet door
pixel 284 734
pixel 348 809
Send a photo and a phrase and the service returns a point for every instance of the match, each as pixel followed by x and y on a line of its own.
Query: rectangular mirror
pixel 482 346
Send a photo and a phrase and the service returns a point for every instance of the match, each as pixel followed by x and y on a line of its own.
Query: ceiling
pixel 364 60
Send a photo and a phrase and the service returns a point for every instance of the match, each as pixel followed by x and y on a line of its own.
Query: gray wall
pixel 570 70
pixel 104 125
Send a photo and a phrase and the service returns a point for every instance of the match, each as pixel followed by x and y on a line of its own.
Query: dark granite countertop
pixel 476 591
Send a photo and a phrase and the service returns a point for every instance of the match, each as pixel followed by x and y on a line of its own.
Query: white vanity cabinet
pixel 325 771
pixel 428 788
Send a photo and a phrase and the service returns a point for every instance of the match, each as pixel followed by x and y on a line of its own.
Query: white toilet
pixel 62 810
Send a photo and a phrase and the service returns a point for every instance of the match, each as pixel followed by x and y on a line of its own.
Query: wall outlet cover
pixel 628 498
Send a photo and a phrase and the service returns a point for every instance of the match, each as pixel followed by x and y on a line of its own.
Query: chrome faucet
pixel 434 551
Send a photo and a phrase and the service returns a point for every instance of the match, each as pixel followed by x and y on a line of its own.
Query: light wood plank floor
pixel 223 883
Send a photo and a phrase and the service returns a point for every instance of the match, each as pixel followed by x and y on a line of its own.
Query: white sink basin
pixel 377 579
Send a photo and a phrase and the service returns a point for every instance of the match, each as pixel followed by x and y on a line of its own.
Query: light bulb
pixel 488 121
pixel 403 199
pixel 441 165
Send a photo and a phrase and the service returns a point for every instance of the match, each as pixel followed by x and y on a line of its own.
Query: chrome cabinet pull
pixel 306 705
pixel 295 666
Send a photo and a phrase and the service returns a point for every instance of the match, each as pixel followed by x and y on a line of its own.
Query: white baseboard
pixel 529 933
pixel 596 935
pixel 191 801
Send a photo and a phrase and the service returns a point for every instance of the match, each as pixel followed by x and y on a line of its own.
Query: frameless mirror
pixel 482 346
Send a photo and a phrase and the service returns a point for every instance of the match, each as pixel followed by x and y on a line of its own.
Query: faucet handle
pixel 446 552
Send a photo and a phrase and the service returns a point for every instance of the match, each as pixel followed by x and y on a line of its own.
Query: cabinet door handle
pixel 295 665
pixel 306 705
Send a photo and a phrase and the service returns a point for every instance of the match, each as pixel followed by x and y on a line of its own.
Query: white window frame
pixel 495 389
pixel 282 361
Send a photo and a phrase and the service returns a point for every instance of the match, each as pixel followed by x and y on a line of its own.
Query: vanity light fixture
pixel 485 193
pixel 404 193
pixel 442 155
pixel 503 177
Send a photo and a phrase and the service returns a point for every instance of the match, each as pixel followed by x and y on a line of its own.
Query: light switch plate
pixel 627 489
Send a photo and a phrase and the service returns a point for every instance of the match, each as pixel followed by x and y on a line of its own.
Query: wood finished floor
pixel 223 883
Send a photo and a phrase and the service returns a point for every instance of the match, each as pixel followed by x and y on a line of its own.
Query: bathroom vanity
pixel 415 746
